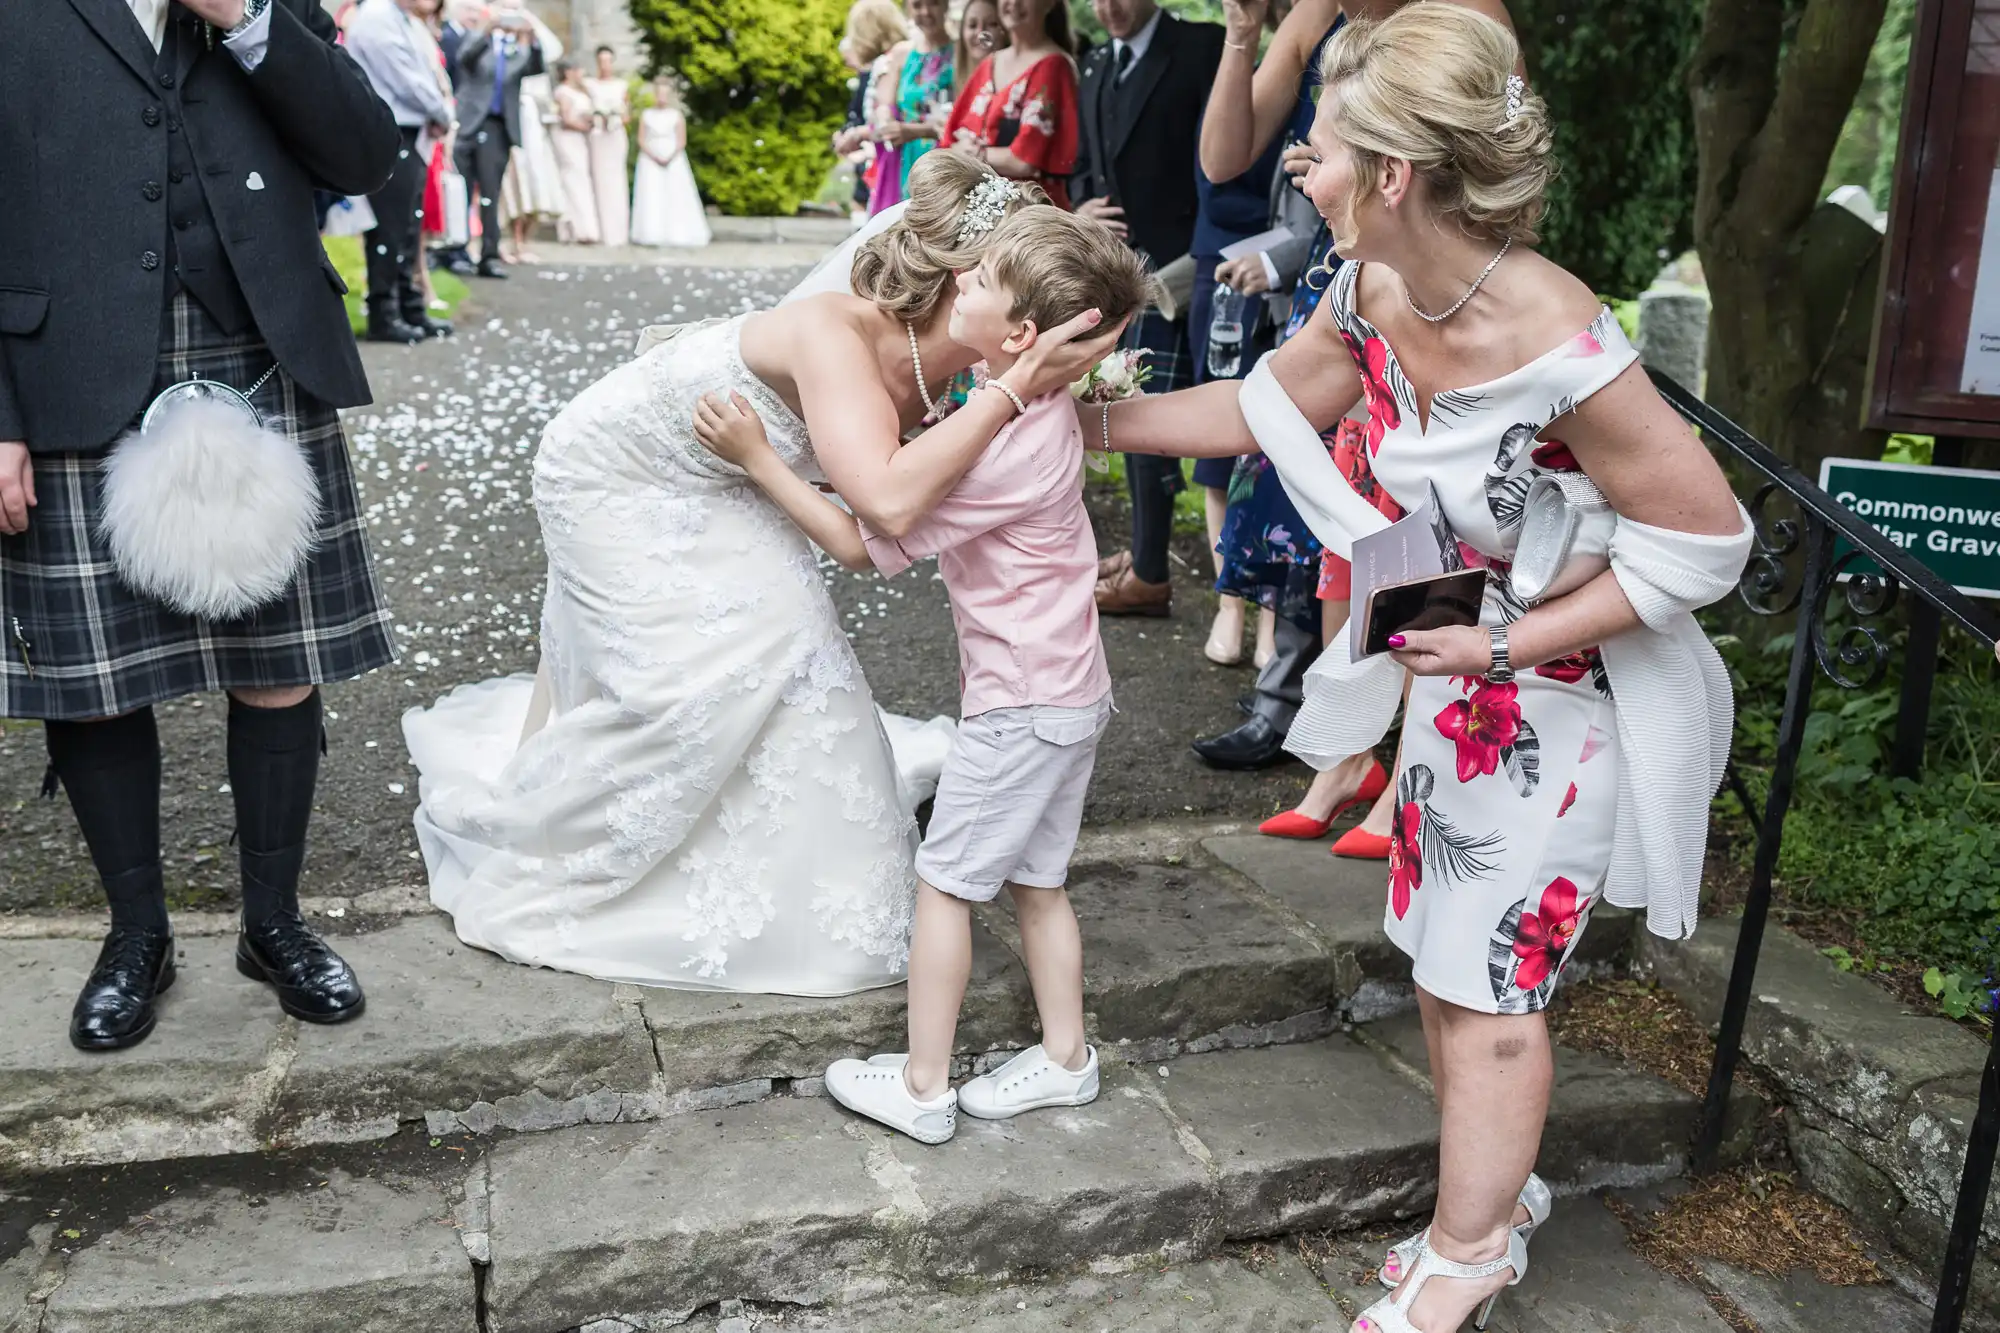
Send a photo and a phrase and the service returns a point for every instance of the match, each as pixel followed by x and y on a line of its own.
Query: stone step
pixel 787 1201
pixel 1243 941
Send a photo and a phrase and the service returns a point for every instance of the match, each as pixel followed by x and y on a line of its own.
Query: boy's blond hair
pixel 1057 265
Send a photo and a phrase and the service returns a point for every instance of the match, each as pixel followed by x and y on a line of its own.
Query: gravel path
pixel 443 457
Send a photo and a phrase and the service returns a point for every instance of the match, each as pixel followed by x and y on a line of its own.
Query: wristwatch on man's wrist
pixel 251 10
pixel 1502 671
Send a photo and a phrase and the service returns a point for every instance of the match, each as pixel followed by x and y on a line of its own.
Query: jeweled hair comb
pixel 985 207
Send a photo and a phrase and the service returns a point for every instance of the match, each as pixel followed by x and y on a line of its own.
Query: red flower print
pixel 1568 800
pixel 1555 457
pixel 1545 935
pixel 1372 360
pixel 1406 861
pixel 1569 670
pixel 1482 727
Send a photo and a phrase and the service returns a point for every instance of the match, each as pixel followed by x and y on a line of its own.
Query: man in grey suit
pixel 498 51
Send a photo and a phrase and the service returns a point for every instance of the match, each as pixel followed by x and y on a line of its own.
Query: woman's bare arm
pixel 1251 99
pixel 1205 421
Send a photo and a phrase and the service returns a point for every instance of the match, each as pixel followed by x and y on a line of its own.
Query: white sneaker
pixel 1029 1082
pixel 879 1092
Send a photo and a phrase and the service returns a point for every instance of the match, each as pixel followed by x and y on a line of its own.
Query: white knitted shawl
pixel 1674 703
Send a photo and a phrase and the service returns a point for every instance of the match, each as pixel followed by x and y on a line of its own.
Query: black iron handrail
pixel 1856 659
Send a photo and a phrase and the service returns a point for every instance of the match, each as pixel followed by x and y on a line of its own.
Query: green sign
pixel 1946 517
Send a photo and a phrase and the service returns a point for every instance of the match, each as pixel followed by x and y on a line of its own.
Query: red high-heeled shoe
pixel 1360 845
pixel 1292 824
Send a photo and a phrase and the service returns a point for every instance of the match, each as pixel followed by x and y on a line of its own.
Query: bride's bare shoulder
pixel 813 328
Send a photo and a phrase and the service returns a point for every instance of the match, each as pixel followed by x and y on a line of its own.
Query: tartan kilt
pixel 79 644
pixel 1165 342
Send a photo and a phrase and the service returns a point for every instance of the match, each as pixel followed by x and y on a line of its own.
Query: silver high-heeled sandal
pixel 1390 1314
pixel 1535 1197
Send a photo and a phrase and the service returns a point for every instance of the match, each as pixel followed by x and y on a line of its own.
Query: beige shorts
pixel 1010 800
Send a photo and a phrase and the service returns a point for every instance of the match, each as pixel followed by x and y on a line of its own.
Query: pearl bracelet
pixel 1104 443
pixel 1020 407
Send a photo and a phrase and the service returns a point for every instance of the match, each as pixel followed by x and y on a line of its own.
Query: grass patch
pixel 345 252
pixel 1190 516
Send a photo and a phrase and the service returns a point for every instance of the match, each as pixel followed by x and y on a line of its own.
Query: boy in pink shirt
pixel 1015 548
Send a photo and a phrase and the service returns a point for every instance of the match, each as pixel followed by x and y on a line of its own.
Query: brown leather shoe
pixel 1126 594
pixel 1113 565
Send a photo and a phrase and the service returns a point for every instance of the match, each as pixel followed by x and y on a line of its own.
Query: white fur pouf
pixel 209 512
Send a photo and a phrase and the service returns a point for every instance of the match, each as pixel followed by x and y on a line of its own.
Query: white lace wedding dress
pixel 712 802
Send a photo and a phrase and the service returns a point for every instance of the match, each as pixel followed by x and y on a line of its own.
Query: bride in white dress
pixel 666 206
pixel 704 797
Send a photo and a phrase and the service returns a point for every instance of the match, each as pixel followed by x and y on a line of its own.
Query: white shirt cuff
pixel 249 45
pixel 1270 269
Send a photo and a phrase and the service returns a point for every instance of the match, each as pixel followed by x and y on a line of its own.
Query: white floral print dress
pixel 713 802
pixel 1507 796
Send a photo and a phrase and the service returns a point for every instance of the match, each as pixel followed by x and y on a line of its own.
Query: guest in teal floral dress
pixel 913 104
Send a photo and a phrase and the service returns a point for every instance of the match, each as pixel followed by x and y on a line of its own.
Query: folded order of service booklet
pixel 1411 576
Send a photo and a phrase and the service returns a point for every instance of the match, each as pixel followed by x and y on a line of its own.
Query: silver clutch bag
pixel 1565 541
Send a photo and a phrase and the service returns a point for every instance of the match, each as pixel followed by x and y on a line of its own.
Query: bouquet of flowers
pixel 1122 374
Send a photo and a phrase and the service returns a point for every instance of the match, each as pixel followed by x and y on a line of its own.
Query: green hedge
pixel 765 89
pixel 1613 75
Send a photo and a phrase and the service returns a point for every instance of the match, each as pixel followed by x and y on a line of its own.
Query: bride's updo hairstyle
pixel 1430 85
pixel 905 269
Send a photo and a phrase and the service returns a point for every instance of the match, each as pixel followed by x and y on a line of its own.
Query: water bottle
pixel 1225 333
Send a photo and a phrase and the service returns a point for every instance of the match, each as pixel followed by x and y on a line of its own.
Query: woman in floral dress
pixel 915 101
pixel 1017 113
pixel 1555 755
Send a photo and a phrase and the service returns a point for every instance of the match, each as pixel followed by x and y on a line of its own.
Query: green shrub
pixel 765 90
pixel 1914 866
pixel 1612 72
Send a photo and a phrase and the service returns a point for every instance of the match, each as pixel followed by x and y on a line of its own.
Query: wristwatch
pixel 251 10
pixel 1502 671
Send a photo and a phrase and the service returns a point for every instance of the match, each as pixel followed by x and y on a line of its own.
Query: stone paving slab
pixel 348 1255
pixel 776 1202
pixel 1172 954
pixel 450 1027
pixel 1274 1295
pixel 1267 1124
pixel 202 1084
pixel 708 1040
pixel 1796 1303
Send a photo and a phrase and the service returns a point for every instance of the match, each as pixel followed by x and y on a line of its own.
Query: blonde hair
pixel 873 26
pixel 905 269
pixel 1057 265
pixel 1429 85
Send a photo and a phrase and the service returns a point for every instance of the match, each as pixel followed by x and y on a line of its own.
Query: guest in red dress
pixel 1018 113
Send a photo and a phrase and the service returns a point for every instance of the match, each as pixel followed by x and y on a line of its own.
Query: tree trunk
pixel 1786 294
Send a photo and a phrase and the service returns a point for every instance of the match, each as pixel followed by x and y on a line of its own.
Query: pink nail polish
pixel 1396 641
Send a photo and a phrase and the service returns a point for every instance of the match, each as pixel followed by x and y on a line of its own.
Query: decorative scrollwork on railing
pixel 1869 593
pixel 1768 575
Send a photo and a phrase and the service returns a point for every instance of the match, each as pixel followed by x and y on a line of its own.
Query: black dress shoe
pixel 1254 744
pixel 115 1008
pixel 420 319
pixel 1246 704
pixel 490 268
pixel 313 984
pixel 387 328
pixel 460 267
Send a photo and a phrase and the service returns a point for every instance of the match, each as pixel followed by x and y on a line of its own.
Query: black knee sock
pixel 1152 519
pixel 111 770
pixel 273 769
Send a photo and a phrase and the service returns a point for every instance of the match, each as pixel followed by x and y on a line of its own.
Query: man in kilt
pixel 158 159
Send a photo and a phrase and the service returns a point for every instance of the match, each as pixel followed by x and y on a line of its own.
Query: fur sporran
pixel 205 508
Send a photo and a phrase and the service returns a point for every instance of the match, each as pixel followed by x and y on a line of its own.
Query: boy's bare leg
pixel 1052 946
pixel 940 967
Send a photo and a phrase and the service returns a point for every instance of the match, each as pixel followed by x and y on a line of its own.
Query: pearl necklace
pixel 917 363
pixel 1477 283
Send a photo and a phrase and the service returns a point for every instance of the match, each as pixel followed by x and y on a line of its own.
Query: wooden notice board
pixel 1936 363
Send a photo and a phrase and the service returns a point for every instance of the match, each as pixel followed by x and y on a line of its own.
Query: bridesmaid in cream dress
pixel 610 99
pixel 571 137
pixel 532 189
pixel 666 206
